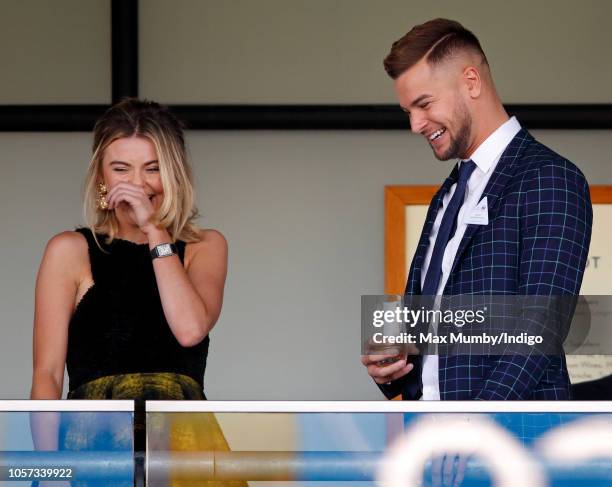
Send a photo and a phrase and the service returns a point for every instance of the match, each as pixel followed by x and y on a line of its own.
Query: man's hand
pixel 388 366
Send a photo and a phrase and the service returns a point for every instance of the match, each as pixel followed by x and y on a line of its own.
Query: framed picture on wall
pixel 405 211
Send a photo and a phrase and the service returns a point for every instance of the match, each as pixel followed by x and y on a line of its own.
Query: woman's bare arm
pixel 192 297
pixel 56 288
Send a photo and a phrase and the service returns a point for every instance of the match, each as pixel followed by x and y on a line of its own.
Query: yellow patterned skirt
pixel 166 432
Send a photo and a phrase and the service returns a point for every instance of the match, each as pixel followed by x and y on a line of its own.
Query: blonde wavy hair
pixel 143 118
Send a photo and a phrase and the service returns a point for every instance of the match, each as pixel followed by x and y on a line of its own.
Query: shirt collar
pixel 489 151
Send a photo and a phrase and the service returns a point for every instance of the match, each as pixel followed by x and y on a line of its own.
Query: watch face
pixel 164 250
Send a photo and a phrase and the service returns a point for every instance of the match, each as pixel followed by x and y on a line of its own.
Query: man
pixel 513 218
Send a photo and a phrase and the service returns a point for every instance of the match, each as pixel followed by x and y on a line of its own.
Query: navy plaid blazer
pixel 536 243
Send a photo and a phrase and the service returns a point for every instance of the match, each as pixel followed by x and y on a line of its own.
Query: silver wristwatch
pixel 163 250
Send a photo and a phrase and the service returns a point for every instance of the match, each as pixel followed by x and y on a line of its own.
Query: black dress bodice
pixel 119 326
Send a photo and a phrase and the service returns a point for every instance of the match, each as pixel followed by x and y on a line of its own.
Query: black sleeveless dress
pixel 120 347
pixel 119 327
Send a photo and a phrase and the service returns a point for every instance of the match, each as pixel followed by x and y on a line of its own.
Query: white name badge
pixel 479 215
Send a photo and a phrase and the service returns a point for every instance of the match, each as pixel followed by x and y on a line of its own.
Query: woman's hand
pixel 134 201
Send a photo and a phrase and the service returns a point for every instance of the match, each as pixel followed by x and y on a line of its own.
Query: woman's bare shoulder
pixel 211 236
pixel 211 241
pixel 67 248
pixel 67 241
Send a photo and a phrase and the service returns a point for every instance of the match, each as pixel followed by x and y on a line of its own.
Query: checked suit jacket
pixel 536 243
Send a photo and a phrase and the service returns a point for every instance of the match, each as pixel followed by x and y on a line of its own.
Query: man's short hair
pixel 438 39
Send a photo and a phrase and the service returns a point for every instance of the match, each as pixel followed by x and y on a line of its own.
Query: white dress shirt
pixel 486 157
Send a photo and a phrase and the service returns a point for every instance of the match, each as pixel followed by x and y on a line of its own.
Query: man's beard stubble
pixel 460 143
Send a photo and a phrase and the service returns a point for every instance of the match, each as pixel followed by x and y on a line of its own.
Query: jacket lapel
pixel 503 172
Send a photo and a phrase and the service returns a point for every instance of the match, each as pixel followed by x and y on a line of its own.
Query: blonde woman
pixel 127 303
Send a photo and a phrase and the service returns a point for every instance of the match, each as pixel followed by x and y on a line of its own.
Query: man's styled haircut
pixel 437 39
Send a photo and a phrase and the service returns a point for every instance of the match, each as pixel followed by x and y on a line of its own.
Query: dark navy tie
pixel 447 230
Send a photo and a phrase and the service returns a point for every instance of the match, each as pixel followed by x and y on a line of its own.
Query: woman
pixel 128 302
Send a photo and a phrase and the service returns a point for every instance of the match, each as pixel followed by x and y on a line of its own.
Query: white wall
pixel 294 51
pixel 322 51
pixel 55 52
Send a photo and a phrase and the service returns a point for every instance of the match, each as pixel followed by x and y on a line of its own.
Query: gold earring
pixel 101 202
